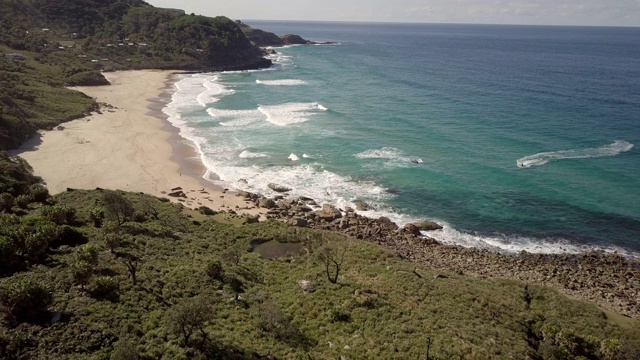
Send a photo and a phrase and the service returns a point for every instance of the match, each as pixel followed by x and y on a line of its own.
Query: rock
pixel 329 213
pixel 307 286
pixel 291 39
pixel 178 193
pixel 440 276
pixel 412 229
pixel 278 188
pixel 298 222
pixel 176 188
pixel 252 219
pixel 427 225
pixel 362 206
pixel 386 223
pixel 267 203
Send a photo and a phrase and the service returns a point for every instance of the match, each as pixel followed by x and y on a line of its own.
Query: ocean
pixel 513 137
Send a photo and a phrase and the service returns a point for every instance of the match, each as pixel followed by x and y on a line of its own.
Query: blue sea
pixel 513 137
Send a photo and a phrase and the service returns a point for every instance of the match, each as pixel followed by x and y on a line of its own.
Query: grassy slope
pixel 392 311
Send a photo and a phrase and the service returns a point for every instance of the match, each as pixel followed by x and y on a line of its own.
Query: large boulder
pixel 267 203
pixel 386 223
pixel 298 222
pixel 362 206
pixel 427 225
pixel 328 213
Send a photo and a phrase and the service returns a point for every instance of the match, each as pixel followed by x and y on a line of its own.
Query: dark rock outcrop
pixel 262 38
pixel 608 280
pixel 291 39
pixel 427 225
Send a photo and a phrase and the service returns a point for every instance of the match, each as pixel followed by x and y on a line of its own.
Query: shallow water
pixel 516 138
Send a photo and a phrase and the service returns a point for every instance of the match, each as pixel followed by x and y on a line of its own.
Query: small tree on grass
pixel 113 241
pixel 117 207
pixel 332 258
pixel 132 263
pixel 237 286
pixel 82 273
pixel 189 317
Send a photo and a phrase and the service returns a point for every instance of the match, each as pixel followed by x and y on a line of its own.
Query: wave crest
pixel 283 82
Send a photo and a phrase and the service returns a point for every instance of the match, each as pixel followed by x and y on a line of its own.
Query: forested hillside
pixel 49 44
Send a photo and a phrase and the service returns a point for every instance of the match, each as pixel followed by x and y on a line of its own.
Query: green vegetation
pixel 151 281
pixel 68 42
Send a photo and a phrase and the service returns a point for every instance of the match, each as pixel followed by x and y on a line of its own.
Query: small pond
pixel 274 249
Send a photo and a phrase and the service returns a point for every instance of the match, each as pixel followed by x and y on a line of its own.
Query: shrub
pixel 88 254
pixel 27 300
pixel 59 214
pixel 39 193
pixel 96 215
pixel 337 315
pixel 23 201
pixel 7 201
pixel 113 241
pixel 214 270
pixel 274 321
pixel 34 236
pixel 82 273
pixel 106 287
pixel 7 254
pixel 124 350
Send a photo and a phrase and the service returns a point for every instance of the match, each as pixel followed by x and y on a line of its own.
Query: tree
pixel 113 241
pixel 332 258
pixel 215 270
pixel 132 263
pixel 82 273
pixel 237 286
pixel 117 207
pixel 189 317
pixel 26 300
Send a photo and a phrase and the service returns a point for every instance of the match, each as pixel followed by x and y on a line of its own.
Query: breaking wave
pixel 283 82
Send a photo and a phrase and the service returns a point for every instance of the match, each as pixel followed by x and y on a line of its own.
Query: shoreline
pixel 151 157
pixel 128 145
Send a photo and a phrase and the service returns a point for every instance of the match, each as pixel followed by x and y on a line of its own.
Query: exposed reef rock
pixel 608 280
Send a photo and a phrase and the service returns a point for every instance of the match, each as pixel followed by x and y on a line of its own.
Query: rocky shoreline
pixel 605 279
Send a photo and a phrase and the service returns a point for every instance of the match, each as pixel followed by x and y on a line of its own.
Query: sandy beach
pixel 128 146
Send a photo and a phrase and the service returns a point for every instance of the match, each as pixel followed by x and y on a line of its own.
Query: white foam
pixel 246 154
pixel 283 82
pixel 307 156
pixel 618 147
pixel 235 118
pixel 293 157
pixel 289 113
pixel 393 156
pixel 213 92
pixel 515 244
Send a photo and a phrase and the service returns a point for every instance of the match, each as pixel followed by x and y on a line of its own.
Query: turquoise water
pixel 517 138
